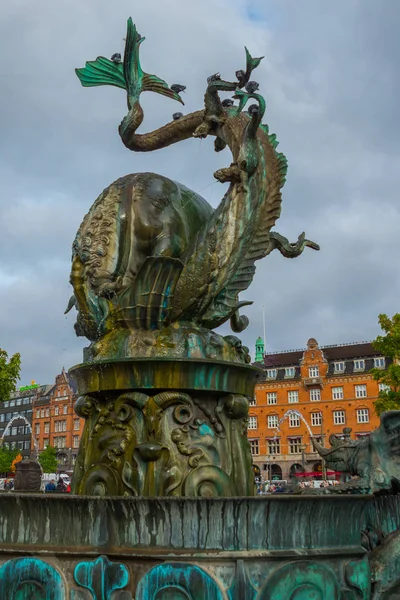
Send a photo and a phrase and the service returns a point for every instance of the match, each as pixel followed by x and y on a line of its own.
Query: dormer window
pixel 379 363
pixel 359 365
pixel 290 372
pixel 271 373
pixel 339 367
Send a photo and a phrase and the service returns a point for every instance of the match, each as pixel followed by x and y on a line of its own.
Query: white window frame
pixel 362 415
pixel 272 373
pixel 316 419
pixel 359 364
pixel 272 398
pixel 294 420
pixel 313 371
pixel 379 362
pixel 315 395
pixel 255 447
pixel 383 387
pixel 272 421
pixel 339 367
pixel 290 372
pixel 77 424
pixel 273 446
pixel 339 417
pixel 293 396
pixel 252 401
pixel 360 390
pixel 336 394
pixel 294 444
pixel 253 422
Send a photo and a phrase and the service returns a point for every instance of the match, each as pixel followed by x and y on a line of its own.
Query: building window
pixel 14 430
pixel 47 428
pixel 315 395
pixel 27 445
pixel 254 447
pixel 274 446
pixel 339 417
pixel 56 411
pixel 313 371
pixel 289 372
pixel 65 409
pixel 272 398
pixel 295 445
pixel 379 363
pixel 27 430
pixel 76 441
pixel 361 391
pixel 294 420
pixel 359 365
pixel 339 367
pixel 45 443
pixel 42 412
pixel 252 402
pixel 19 401
pixel 26 400
pixel 316 419
pixel 6 404
pixel 2 417
pixel 271 373
pixel 337 393
pixel 362 415
pixel 38 414
pixel 37 429
pixel 252 423
pixel 384 388
pixel 293 396
pixel 47 412
pixel 12 403
pixel 272 421
pixel 76 424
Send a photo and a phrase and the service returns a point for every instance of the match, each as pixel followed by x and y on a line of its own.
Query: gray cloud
pixel 330 77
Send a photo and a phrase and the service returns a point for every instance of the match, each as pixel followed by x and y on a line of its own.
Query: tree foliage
pixel 388 345
pixel 48 460
pixel 9 374
pixel 6 458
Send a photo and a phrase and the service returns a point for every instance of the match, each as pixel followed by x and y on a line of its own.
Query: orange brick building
pixel 314 392
pixel 55 423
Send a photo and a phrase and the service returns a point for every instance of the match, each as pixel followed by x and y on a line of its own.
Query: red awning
pixel 317 473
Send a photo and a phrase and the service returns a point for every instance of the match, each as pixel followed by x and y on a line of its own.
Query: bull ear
pixel 390 420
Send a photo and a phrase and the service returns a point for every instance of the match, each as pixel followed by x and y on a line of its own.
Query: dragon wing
pixel 273 167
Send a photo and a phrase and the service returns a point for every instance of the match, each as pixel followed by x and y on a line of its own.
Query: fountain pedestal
pixel 164 427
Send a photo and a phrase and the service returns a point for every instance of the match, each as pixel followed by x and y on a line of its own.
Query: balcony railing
pixel 313 382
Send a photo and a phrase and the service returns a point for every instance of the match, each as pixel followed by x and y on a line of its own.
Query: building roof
pixel 331 353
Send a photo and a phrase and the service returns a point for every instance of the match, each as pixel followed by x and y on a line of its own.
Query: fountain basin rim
pixel 165 374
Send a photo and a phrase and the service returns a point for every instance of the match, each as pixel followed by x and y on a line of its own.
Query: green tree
pixel 48 460
pixel 388 345
pixel 9 374
pixel 6 458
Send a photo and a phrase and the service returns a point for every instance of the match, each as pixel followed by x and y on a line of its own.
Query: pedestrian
pixel 51 486
pixel 61 487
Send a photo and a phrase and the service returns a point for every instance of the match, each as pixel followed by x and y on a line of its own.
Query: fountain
pixel 164 503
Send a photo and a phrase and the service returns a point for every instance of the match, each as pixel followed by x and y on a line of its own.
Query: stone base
pixel 164 428
pixel 274 548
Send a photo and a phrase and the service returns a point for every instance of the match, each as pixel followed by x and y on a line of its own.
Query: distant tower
pixel 259 350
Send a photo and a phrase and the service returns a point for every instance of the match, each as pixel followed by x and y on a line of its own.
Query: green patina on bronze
pixel 154 270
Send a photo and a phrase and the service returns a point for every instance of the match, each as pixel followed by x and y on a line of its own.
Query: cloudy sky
pixel 331 80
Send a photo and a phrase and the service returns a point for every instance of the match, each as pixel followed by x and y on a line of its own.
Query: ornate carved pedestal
pixel 164 427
